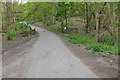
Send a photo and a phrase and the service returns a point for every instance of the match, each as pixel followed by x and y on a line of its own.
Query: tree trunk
pixel 87 19
pixel 0 20
pixel 99 26
pixel 119 38
pixel 102 9
pixel 45 19
pixel 66 21
pixel 111 23
pixel 114 40
pixel 13 16
pixel 53 17
pixel 84 17
pixel 94 17
pixel 8 17
pixel 97 20
pixel 61 21
pixel 119 29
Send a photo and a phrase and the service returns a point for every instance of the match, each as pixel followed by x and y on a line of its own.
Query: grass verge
pixel 91 44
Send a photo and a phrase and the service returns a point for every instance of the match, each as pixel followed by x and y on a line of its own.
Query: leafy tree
pixel 63 12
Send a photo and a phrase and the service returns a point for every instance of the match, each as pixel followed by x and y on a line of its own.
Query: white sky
pixel 22 1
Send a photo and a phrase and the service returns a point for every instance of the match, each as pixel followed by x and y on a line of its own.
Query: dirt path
pixel 47 58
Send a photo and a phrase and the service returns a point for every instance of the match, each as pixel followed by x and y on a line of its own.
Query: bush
pixel 18 30
pixel 97 48
pixel 106 39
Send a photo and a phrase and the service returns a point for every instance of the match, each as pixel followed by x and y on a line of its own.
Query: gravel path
pixel 47 58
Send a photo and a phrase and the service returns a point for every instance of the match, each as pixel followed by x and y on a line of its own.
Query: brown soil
pixel 9 45
pixel 12 48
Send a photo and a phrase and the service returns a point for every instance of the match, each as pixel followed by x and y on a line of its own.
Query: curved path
pixel 48 58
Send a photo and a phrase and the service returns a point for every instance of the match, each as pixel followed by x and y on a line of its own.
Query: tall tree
pixel 98 21
pixel 119 28
pixel 1 16
pixel 97 29
pixel 53 17
pixel 87 18
pixel 62 13
pixel 112 21
pixel 8 16
pixel 114 40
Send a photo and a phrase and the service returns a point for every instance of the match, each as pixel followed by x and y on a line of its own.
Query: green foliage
pixel 23 26
pixel 54 27
pixel 31 22
pixel 106 39
pixel 13 33
pixel 3 25
pixel 63 12
pixel 71 23
pixel 91 44
pixel 49 13
pixel 18 30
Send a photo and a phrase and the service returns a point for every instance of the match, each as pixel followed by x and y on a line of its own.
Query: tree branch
pixel 102 8
pixel 36 8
